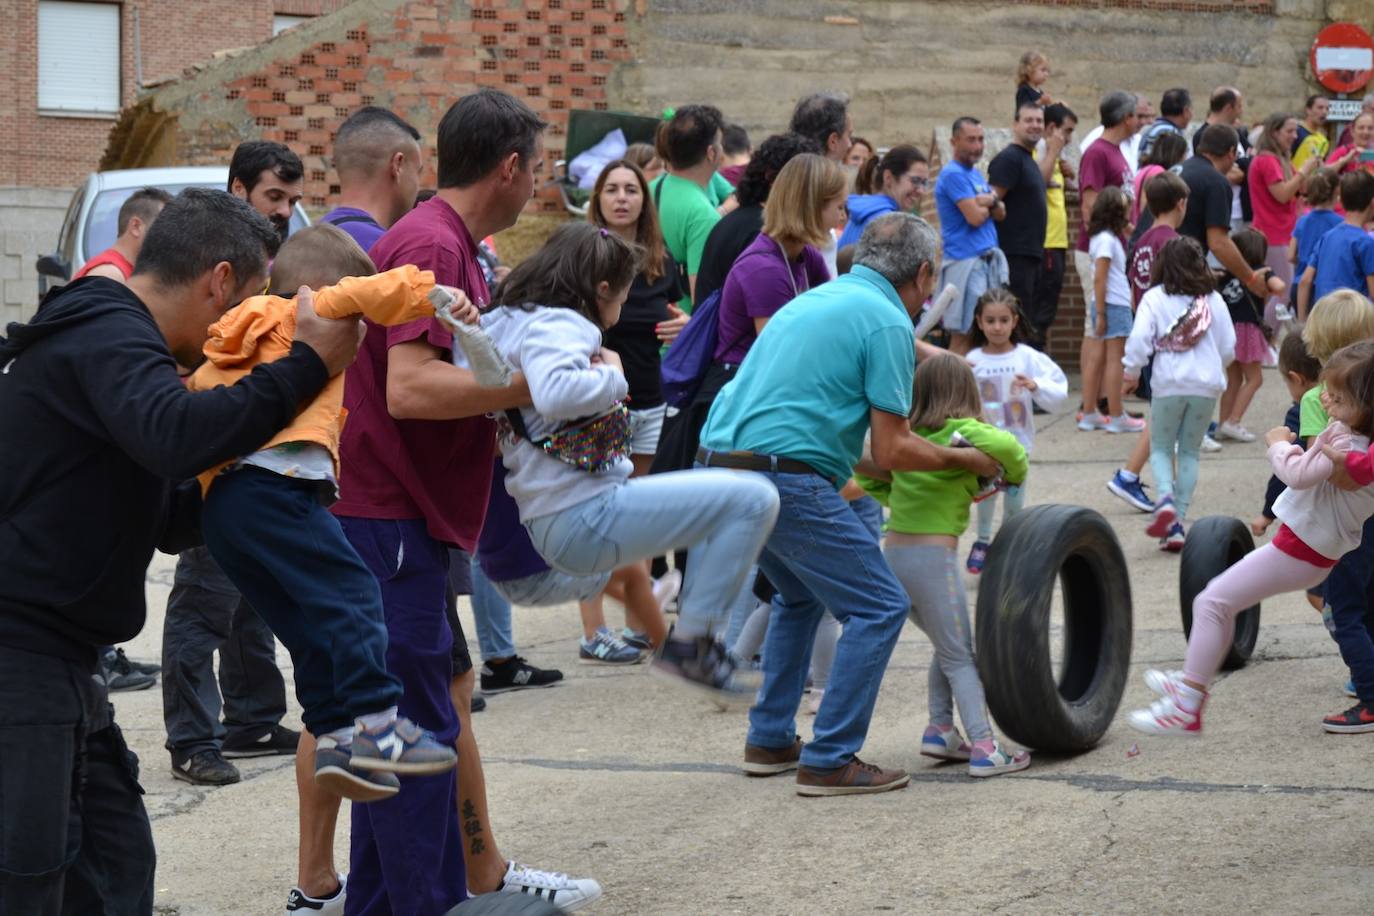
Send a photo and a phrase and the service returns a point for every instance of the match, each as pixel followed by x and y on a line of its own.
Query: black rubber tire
pixel 1214 544
pixel 1067 711
pixel 504 905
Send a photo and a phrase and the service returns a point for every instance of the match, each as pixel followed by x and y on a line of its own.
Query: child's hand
pixel 1260 524
pixel 608 358
pixel 1279 434
pixel 1276 286
pixel 667 331
pixel 1100 326
pixel 1129 384
pixel 1336 455
pixel 461 308
pixel 1023 383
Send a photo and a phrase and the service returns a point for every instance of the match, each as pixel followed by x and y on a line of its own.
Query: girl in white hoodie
pixel 1186 326
pixel 568 464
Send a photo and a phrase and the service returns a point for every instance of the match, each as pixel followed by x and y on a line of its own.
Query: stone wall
pixel 31 218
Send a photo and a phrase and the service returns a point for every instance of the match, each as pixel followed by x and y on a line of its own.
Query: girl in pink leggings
pixel 1320 523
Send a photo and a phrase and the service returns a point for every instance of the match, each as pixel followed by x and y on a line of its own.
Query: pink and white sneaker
pixel 995 760
pixel 944 743
pixel 1166 716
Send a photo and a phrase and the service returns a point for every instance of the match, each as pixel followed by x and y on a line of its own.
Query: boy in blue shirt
pixel 1344 258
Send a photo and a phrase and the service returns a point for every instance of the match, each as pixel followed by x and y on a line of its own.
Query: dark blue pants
pixel 288 556
pixel 1348 596
pixel 406 854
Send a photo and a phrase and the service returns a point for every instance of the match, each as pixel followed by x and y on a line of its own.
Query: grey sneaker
pixel 605 649
pixel 401 747
pixel 705 665
pixel 334 772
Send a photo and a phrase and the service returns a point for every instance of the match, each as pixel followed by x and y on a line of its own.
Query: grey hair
pixel 895 245
pixel 1116 107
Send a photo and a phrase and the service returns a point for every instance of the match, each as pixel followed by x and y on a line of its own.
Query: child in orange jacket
pixel 266 523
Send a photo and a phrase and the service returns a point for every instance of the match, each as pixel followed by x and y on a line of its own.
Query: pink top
pixel 437 470
pixel 1274 219
pixel 1138 203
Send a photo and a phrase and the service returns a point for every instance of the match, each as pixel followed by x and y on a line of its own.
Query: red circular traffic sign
pixel 1342 57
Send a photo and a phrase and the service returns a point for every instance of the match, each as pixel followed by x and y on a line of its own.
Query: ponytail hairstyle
pixel 897 162
pixel 567 271
pixel 1320 189
pixel 998 295
pixel 945 390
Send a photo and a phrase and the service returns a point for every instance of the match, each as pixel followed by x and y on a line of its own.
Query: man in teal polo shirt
pixel 835 363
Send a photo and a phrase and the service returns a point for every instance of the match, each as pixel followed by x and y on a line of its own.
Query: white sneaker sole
pixel 609 663
pixel 344 784
pixel 1348 729
pixel 1125 496
pixel 404 768
pixel 1012 767
pixel 1147 726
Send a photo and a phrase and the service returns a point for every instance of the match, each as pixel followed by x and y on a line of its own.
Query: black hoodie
pixel 96 429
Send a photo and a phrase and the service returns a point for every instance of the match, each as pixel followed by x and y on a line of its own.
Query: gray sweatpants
pixel 930 575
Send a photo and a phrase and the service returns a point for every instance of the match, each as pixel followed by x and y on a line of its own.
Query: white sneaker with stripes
pixel 568 894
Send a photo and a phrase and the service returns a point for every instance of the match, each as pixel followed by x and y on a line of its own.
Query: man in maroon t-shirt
pixel 414 479
pixel 1103 166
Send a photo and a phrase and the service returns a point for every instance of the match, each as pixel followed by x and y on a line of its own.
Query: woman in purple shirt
pixel 806 203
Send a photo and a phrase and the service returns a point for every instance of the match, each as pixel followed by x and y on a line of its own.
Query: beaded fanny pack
pixel 593 445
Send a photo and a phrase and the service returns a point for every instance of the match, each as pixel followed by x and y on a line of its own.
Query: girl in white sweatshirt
pixel 1186 326
pixel 1321 523
pixel 567 455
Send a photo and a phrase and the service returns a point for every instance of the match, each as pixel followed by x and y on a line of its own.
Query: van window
pixel 102 225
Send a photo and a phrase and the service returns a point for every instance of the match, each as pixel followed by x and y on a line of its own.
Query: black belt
pixel 752 461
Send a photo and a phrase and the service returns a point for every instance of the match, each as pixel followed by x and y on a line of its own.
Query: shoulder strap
pixel 658 190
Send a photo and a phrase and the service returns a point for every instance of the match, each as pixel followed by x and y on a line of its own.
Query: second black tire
pixel 1069 709
pixel 1214 544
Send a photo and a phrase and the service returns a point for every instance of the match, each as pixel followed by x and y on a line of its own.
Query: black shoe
pixel 279 741
pixel 516 674
pixel 206 768
pixel 479 703
pixel 123 664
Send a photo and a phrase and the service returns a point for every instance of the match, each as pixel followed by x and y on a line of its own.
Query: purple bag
pixel 685 364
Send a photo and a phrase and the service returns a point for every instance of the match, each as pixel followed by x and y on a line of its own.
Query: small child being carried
pixel 930 509
pixel 265 521
pixel 1013 379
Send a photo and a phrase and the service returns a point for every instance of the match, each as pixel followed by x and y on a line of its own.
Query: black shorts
pixel 459 583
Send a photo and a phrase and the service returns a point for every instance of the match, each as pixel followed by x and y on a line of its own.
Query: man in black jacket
pixel 96 430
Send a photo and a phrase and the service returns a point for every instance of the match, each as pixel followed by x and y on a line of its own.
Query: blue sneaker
pixel 401 747
pixel 1132 492
pixel 996 761
pixel 945 743
pixel 334 772
pixel 605 649
pixel 1163 518
pixel 1173 541
pixel 636 640
pixel 1350 689
pixel 977 557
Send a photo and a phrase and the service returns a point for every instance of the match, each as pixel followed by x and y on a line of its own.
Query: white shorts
pixel 1083 264
pixel 645 428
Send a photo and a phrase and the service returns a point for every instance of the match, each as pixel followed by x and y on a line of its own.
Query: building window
pixel 78 57
pixel 282 22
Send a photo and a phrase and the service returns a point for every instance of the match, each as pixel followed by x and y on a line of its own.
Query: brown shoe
pixel 854 778
pixel 769 761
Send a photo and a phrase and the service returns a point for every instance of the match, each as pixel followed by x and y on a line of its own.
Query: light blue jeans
pixel 1178 420
pixel 821 555
pixel 1013 500
pixel 550 587
pixel 723 517
pixel 491 612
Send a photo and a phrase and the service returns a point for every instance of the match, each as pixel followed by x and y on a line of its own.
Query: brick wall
pixel 48 151
pixel 555 55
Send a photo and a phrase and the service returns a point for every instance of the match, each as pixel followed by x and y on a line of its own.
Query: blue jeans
pixel 722 517
pixel 821 555
pixel 289 558
pixel 1178 420
pixel 1348 596
pixel 491 611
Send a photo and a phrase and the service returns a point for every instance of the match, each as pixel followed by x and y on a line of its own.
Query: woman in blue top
pixel 897 181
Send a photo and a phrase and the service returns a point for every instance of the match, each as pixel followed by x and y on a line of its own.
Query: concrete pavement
pixel 614 776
